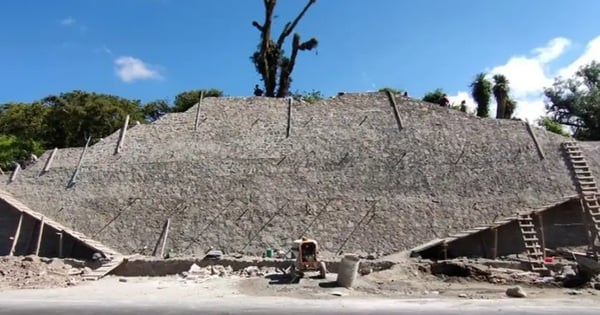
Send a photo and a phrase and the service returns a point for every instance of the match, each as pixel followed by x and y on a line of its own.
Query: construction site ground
pixel 35 277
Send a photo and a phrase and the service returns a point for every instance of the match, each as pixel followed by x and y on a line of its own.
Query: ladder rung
pixel 532 239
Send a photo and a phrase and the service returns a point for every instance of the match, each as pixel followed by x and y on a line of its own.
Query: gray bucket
pixel 347 270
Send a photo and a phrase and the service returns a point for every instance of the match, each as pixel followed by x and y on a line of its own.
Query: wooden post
pixel 76 172
pixel 495 249
pixel 165 237
pixel 13 247
pixel 49 161
pixel 13 176
pixel 542 237
pixel 586 224
pixel 122 135
pixel 289 118
pixel 538 147
pixel 445 249
pixel 198 111
pixel 60 244
pixel 39 240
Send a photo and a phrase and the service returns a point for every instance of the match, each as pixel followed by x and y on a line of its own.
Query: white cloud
pixel 67 21
pixel 131 69
pixel 592 52
pixel 529 75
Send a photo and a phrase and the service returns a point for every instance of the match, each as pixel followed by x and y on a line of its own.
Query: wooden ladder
pixel 588 190
pixel 532 245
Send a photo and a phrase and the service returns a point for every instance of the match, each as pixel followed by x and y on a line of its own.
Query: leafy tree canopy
pixel 436 96
pixel 14 149
pixel 575 102
pixel 185 100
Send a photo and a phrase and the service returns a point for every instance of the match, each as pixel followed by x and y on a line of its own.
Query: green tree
pixel 155 109
pixel 436 96
pixel 74 115
pixel 14 149
pixel 309 97
pixel 575 102
pixel 26 121
pixel 501 89
pixel 270 60
pixel 185 100
pixel 509 109
pixel 552 126
pixel 481 90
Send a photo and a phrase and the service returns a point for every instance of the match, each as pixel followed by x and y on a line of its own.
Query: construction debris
pixel 199 273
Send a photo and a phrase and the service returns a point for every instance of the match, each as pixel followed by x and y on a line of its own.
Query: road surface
pixel 164 295
pixel 290 306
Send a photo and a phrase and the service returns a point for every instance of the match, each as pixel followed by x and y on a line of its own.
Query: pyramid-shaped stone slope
pixel 259 174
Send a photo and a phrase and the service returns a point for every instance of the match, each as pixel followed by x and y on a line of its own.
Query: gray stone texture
pixel 346 175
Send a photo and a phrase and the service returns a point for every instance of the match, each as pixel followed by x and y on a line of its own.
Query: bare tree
pixel 270 60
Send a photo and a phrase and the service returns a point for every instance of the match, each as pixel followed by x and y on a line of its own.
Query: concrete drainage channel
pixel 147 267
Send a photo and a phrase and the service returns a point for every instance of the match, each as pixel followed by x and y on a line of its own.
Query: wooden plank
pixel 396 111
pixel 535 141
pixel 60 244
pixel 13 176
pixel 289 118
pixel 39 240
pixel 542 236
pixel 165 237
pixel 16 236
pixel 76 172
pixel 49 161
pixel 122 136
pixel 197 121
pixel 495 249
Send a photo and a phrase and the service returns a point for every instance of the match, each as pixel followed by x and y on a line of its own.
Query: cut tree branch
pixel 289 28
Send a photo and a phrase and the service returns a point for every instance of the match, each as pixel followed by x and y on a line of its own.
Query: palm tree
pixel 501 90
pixel 481 90
pixel 509 110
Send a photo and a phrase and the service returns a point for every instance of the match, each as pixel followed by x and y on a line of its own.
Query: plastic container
pixel 347 270
pixel 269 252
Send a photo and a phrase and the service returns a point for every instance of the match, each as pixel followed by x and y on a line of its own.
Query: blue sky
pixel 163 47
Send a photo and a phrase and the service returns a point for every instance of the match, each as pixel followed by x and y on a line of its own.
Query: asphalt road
pixel 267 306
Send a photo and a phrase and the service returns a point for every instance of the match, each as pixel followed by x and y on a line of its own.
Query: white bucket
pixel 347 270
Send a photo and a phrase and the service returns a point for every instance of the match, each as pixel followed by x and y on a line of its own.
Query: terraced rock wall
pixel 258 173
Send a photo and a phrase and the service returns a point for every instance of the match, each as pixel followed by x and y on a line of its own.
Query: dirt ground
pixel 404 280
pixel 32 272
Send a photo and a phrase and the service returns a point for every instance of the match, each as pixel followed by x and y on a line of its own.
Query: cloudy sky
pixel 154 49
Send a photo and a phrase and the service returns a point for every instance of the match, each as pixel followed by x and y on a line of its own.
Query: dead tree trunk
pixel 269 60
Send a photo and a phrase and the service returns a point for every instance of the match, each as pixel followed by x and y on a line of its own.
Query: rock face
pixel 341 171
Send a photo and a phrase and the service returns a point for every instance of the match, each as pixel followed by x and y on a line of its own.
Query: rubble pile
pixel 569 276
pixel 32 272
pixel 198 273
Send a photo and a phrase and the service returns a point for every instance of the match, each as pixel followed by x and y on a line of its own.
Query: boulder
pixel 516 292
